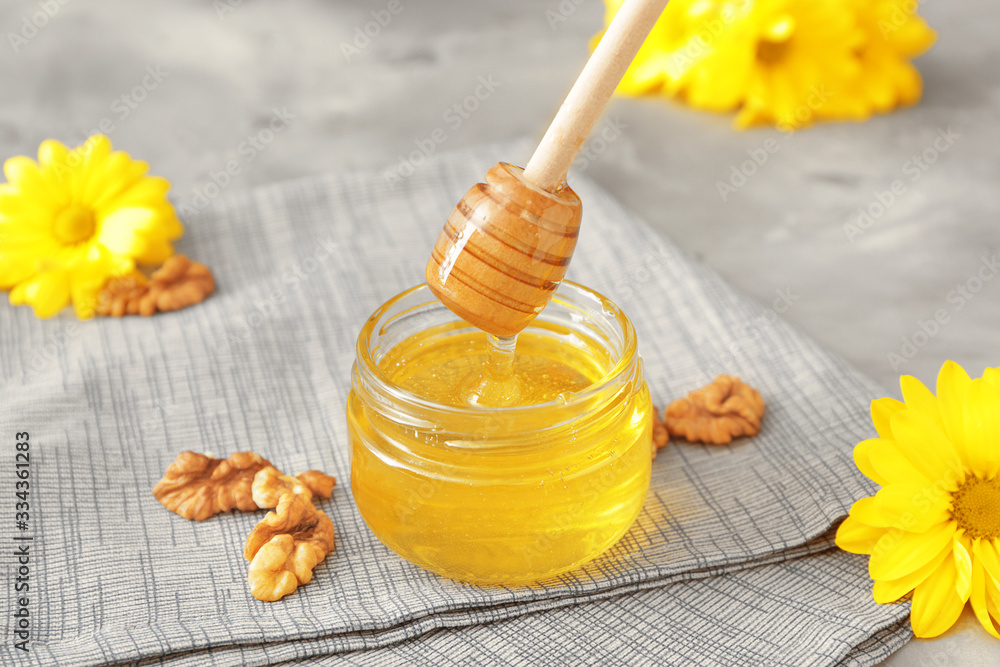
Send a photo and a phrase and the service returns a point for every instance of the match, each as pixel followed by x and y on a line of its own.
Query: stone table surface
pixel 187 85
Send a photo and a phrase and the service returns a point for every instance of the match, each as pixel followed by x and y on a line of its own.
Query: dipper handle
pixel 590 94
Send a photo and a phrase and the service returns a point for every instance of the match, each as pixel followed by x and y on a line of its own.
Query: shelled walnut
pixel 716 413
pixel 177 284
pixel 122 296
pixel 269 485
pixel 318 482
pixel 284 548
pixel 198 487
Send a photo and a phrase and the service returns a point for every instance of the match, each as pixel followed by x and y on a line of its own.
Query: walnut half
pixel 716 413
pixel 284 548
pixel 177 284
pixel 269 485
pixel 318 482
pixel 198 487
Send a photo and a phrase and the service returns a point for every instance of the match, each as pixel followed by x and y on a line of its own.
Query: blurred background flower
pixel 782 62
pixel 76 218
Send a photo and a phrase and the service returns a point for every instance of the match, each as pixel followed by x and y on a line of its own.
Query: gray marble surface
pixel 189 85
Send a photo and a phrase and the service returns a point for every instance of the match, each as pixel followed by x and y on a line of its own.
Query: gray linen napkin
pixel 264 365
pixel 810 611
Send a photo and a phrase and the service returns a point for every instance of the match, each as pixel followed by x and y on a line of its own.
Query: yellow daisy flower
pixel 782 62
pixel 76 218
pixel 894 34
pixel 934 526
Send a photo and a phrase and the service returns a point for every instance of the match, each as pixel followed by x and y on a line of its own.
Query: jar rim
pixel 617 374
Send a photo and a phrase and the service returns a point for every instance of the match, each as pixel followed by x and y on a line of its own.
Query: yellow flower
pixel 782 62
pixel 934 526
pixel 894 35
pixel 76 218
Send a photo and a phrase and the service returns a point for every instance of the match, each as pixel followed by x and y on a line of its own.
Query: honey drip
pixel 495 385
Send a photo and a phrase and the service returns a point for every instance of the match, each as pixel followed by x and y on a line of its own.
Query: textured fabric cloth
pixel 810 611
pixel 264 365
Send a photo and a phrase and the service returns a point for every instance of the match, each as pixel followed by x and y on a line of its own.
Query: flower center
pixel 774 40
pixel 73 224
pixel 976 507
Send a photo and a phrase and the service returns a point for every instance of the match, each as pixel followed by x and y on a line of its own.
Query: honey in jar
pixel 492 467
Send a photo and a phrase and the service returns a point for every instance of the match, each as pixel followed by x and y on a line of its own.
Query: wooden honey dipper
pixel 507 245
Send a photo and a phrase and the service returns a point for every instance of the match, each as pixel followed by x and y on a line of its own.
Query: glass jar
pixel 511 494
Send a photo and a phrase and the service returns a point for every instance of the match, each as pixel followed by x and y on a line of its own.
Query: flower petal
pixel 866 511
pixel 982 428
pixel 57 166
pixel 925 445
pixel 892 465
pixel 977 596
pixel 911 507
pixel 14 270
pixel 138 232
pixel 52 153
pixel 952 383
pixel 986 553
pixel 992 375
pixel 992 595
pixel 898 553
pixel 936 604
pixel 862 459
pixel 140 193
pixel 887 591
pixel 963 565
pixel 47 293
pixel 882 409
pixel 918 397
pixel 857 538
pixel 88 162
pixel 23 172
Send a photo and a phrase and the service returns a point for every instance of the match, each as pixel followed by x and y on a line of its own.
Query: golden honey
pixel 503 478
